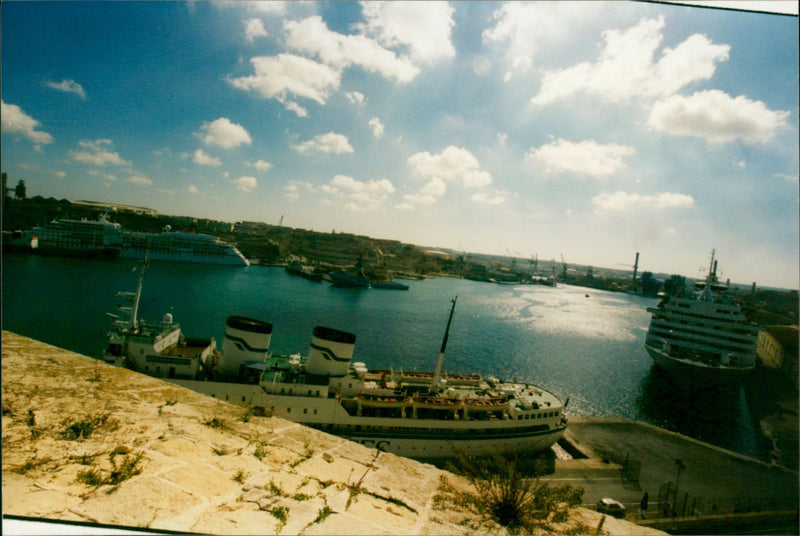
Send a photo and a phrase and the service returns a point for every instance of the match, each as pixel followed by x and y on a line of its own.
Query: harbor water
pixel 584 345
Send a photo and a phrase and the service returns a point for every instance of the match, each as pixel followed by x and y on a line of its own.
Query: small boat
pixel 295 267
pixel 357 279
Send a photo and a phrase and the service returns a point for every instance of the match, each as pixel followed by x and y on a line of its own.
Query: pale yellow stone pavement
pixel 205 466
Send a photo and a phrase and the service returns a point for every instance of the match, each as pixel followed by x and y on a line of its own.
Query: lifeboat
pixel 381 401
pixel 437 402
pixel 485 404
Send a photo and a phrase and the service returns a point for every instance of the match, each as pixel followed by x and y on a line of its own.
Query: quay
pixel 717 490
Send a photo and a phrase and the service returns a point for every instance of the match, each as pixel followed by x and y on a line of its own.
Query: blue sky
pixel 588 129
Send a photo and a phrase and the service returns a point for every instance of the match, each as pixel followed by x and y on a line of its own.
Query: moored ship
pixel 702 339
pixel 178 246
pixel 72 238
pixel 421 415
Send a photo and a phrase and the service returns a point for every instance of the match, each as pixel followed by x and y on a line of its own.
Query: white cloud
pixel 717 117
pixel 294 188
pixel 60 174
pixel 98 153
pixel 424 27
pixel 436 187
pixel 787 177
pixel 362 196
pixel 14 120
pixel 586 157
pixel 484 199
pixel 67 86
pixel 254 28
pixel 376 127
pixel 356 97
pixel 192 189
pixel 271 7
pixel 454 164
pixel 139 179
pixel 325 143
pixel 225 134
pixel 277 77
pixel 623 201
pixel 262 165
pixel 202 159
pixel 526 27
pixel 246 184
pixel 626 68
pixel 312 36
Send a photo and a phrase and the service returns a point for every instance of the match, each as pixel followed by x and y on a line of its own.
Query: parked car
pixel 611 507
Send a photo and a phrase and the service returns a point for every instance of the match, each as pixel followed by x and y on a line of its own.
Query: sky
pixel 591 130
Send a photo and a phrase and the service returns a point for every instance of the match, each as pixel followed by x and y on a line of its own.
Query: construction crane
pixel 513 260
pixel 635 266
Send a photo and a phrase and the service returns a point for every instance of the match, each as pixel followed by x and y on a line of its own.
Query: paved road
pixel 713 474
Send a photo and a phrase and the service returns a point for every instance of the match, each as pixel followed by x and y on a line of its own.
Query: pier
pixel 693 487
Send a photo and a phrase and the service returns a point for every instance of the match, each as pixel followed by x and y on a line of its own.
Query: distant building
pixel 116 207
pixel 437 253
pixel 778 348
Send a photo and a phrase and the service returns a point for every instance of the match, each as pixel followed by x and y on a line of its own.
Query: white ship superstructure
pixel 702 339
pixel 181 246
pixel 421 415
pixel 79 238
pixel 160 349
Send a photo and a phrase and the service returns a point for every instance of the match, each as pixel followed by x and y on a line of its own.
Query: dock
pixel 716 488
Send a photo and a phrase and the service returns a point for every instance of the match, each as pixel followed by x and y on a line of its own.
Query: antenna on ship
pixel 438 372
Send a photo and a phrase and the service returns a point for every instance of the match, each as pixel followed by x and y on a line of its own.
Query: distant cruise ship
pixel 703 339
pixel 72 238
pixel 181 246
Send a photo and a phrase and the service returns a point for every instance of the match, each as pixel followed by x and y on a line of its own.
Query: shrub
pixel 323 513
pixel 128 468
pixel 510 496
pixel 121 471
pixel 85 428
pixel 90 477
pixel 215 423
pixel 261 451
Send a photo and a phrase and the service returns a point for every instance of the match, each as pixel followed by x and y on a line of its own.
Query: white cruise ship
pixel 425 416
pixel 702 339
pixel 74 238
pixel 180 246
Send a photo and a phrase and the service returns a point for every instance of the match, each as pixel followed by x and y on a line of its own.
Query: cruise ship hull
pixel 177 256
pixel 695 373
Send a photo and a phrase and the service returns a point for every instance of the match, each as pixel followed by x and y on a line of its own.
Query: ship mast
pixel 438 372
pixel 135 309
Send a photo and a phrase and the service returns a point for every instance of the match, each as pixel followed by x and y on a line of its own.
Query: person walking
pixel 643 505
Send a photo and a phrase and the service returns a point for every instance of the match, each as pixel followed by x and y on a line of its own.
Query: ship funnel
pixel 330 352
pixel 246 341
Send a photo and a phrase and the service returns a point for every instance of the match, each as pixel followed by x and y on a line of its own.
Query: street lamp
pixel 681 466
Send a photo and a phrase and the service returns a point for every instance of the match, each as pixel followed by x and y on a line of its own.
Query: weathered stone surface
pixel 202 465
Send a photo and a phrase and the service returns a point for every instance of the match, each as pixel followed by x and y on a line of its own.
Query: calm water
pixel 585 348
